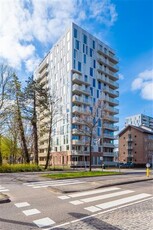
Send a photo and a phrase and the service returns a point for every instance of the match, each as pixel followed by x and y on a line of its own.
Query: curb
pixel 103 186
pixel 4 199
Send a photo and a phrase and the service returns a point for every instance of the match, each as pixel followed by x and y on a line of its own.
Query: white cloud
pixel 27 25
pixel 144 83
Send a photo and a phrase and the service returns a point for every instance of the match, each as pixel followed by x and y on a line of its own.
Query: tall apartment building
pixel 139 120
pixel 80 68
pixel 136 145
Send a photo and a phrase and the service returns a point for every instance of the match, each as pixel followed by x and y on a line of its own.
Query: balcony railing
pixel 106 135
pixel 111 118
pixel 77 109
pixel 81 100
pixel 108 154
pixel 109 145
pixel 80 79
pixel 80 89
pixel 111 100
pixel 101 77
pixel 111 91
pixel 110 127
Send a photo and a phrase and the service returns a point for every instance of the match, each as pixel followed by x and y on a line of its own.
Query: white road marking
pixel 93 209
pixel 63 197
pixel 101 197
pixel 4 190
pixel 78 194
pixel 99 213
pixel 22 204
pixel 76 202
pixel 56 185
pixel 122 201
pixel 44 222
pixel 30 212
pixel 49 182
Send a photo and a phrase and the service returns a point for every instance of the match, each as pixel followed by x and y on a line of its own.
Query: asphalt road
pixel 35 205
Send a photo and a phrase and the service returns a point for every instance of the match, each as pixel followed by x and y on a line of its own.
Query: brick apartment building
pixel 136 145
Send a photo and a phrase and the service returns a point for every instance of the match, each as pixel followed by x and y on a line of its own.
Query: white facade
pixel 80 68
pixel 139 120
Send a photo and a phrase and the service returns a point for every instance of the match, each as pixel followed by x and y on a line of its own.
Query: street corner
pixel 4 198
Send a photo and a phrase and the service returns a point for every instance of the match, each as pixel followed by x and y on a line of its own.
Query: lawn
pixel 69 175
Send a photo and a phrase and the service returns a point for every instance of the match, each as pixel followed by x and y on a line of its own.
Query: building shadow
pixel 90 223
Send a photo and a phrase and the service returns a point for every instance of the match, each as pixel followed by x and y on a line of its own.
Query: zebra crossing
pixel 3 189
pixel 101 198
pixel 52 183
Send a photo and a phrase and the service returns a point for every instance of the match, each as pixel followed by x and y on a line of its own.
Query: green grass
pixel 20 168
pixel 69 175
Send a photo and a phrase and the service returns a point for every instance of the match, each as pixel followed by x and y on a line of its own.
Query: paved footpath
pixel 133 217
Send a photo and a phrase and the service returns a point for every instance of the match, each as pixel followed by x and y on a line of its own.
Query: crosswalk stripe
pixel 4 190
pixel 44 222
pixel 101 197
pixel 30 212
pixel 49 182
pixel 56 185
pixel 92 192
pixel 122 201
pixel 22 204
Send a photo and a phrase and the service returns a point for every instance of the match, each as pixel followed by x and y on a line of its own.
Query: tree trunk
pixel 49 145
pixel 35 135
pixel 90 154
pixel 21 130
pixel 1 159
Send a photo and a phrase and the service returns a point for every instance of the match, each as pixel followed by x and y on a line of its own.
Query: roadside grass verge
pixel 69 175
pixel 20 168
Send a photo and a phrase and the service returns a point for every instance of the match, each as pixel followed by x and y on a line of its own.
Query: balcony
pixel 77 109
pixel 43 66
pixel 109 136
pixel 102 78
pixel 108 154
pixel 112 92
pixel 111 109
pixel 129 139
pixel 108 145
pixel 80 89
pixel 77 132
pixel 110 127
pixel 105 61
pixel 79 79
pixel 81 100
pixel 129 147
pixel 111 101
pixel 78 142
pixel 111 118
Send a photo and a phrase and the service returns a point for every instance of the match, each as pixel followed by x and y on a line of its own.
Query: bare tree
pixel 49 104
pixel 88 123
pixel 5 79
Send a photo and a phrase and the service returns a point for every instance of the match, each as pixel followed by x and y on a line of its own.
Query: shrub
pixel 20 168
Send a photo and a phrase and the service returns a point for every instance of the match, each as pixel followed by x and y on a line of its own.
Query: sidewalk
pixel 101 182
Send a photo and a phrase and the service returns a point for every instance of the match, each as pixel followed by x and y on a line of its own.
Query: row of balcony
pixel 111 56
pixel 106 62
pixel 104 70
pixel 110 127
pixel 82 142
pixel 102 78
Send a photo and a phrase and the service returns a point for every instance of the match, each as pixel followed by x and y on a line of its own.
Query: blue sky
pixel 30 27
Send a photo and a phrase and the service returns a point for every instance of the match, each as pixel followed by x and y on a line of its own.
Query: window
pixel 94 63
pixel 93 44
pixel 84 39
pixel 87 50
pixel 84 58
pixel 79 66
pixel 91 91
pixel 77 44
pixel 86 78
pixel 74 64
pixel 83 48
pixel 91 52
pixel 97 93
pixel 75 32
pixel 91 71
pixel 94 83
pixel 99 85
pixel 75 53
